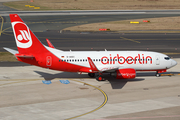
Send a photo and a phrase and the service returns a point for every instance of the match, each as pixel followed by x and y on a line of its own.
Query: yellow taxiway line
pixel 104 94
pixel 1 24
pixel 105 100
pixel 130 40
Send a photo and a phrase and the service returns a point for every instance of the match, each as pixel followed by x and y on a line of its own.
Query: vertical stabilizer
pixel 26 41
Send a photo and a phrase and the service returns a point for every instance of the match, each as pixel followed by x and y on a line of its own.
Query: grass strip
pixel 7 57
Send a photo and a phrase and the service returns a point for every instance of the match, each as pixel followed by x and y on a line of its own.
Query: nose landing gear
pixel 160 71
pixel 157 74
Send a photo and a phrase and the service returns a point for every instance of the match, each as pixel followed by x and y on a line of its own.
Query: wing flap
pixel 108 68
pixel 104 68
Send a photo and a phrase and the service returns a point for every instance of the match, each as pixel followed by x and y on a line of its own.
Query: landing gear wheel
pixel 157 74
pixel 99 78
pixel 91 75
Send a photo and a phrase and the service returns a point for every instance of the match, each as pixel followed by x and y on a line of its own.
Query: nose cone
pixel 173 62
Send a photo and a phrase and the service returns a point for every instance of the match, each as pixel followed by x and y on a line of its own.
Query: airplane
pixel 120 64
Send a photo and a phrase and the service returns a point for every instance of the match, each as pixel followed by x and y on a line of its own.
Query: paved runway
pixel 49 26
pixel 58 22
pixel 165 43
pixel 24 96
pixel 90 12
pixel 46 26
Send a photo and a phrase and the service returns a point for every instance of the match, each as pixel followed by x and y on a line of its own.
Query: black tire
pixel 157 75
pixel 99 78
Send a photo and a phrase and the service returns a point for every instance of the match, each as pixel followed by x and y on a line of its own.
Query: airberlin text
pixel 139 59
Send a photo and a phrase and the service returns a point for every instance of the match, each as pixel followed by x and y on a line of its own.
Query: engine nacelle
pixel 127 73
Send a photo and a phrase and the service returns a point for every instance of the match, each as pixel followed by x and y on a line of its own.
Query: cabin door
pixel 157 60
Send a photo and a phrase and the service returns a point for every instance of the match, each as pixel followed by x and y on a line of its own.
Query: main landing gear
pixel 99 77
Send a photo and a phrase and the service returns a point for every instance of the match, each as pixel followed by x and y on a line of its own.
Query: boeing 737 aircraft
pixel 120 64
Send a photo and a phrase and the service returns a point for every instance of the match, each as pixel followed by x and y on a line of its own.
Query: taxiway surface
pixel 165 43
pixel 24 96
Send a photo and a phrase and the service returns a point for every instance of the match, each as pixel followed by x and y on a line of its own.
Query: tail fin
pixel 26 41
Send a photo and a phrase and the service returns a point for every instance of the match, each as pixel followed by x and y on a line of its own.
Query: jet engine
pixel 127 73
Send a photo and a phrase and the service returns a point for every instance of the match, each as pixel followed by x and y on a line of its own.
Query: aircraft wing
pixel 107 68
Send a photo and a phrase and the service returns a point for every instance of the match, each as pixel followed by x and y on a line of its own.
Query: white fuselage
pixel 138 60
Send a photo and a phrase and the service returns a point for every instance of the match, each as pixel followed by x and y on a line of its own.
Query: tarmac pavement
pixel 24 96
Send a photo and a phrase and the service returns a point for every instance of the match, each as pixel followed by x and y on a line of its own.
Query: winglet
pixel 92 65
pixel 49 43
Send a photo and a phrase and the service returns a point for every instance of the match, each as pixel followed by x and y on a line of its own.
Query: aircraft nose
pixel 173 62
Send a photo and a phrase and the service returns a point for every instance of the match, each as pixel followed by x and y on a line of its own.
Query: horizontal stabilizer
pixel 11 50
pixel 24 56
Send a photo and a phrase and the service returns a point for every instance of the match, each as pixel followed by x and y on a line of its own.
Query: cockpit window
pixel 167 58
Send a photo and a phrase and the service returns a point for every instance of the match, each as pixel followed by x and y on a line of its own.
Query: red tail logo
pixel 22 35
